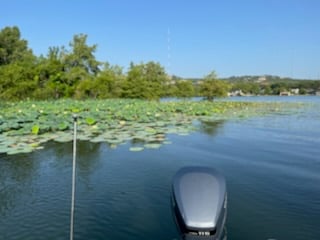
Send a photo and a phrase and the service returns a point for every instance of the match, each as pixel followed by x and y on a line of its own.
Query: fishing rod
pixel 75 118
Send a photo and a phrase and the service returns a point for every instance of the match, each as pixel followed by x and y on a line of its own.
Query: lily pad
pixel 63 126
pixel 35 129
pixel 152 145
pixel 63 137
pixel 98 139
pixel 90 121
pixel 116 121
pixel 136 149
pixel 4 149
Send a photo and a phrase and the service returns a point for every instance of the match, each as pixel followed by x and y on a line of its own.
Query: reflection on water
pixel 271 165
pixel 211 128
pixel 15 178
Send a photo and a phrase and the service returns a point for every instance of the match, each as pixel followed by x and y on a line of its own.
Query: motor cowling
pixel 200 202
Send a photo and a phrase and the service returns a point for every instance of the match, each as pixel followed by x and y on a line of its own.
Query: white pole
pixel 73 174
pixel 169 53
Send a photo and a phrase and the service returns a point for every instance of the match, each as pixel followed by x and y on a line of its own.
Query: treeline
pixel 272 85
pixel 70 72
pixel 74 72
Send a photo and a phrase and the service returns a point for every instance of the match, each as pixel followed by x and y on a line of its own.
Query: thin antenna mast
pixel 75 117
pixel 169 51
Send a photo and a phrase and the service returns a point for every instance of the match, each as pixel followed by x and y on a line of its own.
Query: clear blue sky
pixel 232 37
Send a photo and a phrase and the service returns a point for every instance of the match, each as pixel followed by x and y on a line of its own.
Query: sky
pixel 188 38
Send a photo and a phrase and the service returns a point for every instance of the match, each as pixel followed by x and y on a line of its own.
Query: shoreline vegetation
pixel 39 94
pixel 74 72
pixel 26 125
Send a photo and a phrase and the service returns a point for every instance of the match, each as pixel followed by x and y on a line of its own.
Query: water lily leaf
pixel 183 133
pixel 152 145
pixel 97 139
pixel 84 137
pixel 4 149
pixel 90 121
pixel 35 129
pixel 21 148
pixel 63 139
pixel 13 151
pixel 63 126
pixel 150 130
pixel 136 149
pixel 34 145
pixel 113 141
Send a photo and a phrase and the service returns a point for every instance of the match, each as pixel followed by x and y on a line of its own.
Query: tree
pixel 145 81
pixel 17 66
pixel 50 75
pixel 211 87
pixel 106 85
pixel 109 81
pixel 303 91
pixel 184 88
pixel 17 80
pixel 246 87
pixel 12 47
pixel 79 64
pixel 267 90
pixel 81 55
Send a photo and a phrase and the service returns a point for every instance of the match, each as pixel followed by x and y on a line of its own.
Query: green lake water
pixel 271 164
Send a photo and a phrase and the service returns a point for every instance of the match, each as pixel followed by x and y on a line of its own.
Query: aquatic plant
pixel 25 126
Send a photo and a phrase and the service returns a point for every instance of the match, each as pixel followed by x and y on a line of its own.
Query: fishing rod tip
pixel 75 117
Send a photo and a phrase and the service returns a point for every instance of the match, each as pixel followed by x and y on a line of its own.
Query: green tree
pixel 51 76
pixel 184 89
pixel 12 47
pixel 81 55
pixel 106 85
pixel 147 81
pixel 277 88
pixel 254 88
pixel 109 81
pixel 79 64
pixel 246 87
pixel 302 91
pixel 17 80
pixel 17 66
pixel 212 88
pixel 267 90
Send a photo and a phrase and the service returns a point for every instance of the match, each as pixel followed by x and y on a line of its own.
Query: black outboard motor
pixel 200 203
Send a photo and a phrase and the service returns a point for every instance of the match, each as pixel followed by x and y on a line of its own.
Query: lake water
pixel 271 164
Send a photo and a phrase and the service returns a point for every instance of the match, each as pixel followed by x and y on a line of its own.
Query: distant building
pixel 285 94
pixel 311 91
pixel 295 91
pixel 199 82
pixel 261 79
pixel 236 93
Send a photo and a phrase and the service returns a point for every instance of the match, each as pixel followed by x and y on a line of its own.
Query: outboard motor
pixel 200 203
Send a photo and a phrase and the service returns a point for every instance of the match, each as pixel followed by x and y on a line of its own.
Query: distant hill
pixel 252 78
pixel 267 84
pixel 263 79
